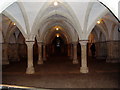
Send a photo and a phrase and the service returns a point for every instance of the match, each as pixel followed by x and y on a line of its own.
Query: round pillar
pixel 44 53
pixel 71 51
pixel 40 60
pixel 83 68
pixel 68 46
pixel 30 68
pixel 75 60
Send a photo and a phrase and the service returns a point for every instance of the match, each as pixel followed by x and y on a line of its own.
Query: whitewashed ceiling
pixel 29 16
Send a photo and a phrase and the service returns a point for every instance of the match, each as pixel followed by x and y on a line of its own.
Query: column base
pixel 84 69
pixel 30 70
pixel 40 61
pixel 5 62
pixel 75 61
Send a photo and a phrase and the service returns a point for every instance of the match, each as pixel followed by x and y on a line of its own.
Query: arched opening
pixel 14 47
pixel 17 49
pixel 57 35
pixel 58 45
pixel 99 40
pixel 105 45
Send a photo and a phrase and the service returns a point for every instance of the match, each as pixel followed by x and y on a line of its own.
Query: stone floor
pixel 59 72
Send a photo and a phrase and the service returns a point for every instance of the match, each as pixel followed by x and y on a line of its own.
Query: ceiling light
pixel 55 3
pixel 58 35
pixel 57 29
pixel 98 22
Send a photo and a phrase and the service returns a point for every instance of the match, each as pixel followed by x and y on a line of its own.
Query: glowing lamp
pixel 57 29
pixel 55 3
pixel 58 35
pixel 98 22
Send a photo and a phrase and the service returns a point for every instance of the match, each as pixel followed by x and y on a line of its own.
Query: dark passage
pixel 59 45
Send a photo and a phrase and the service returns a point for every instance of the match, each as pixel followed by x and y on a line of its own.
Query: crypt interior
pixel 48 45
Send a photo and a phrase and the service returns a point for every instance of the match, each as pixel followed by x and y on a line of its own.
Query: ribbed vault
pixel 49 37
pixel 78 14
pixel 63 24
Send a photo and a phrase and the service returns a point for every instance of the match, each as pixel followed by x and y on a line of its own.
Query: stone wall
pixel 15 52
pixel 113 54
pixel 22 51
pixel 108 50
pixel 101 50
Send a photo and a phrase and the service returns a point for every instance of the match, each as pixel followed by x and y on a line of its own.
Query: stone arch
pixel 94 37
pixel 50 24
pixel 101 30
pixel 1 37
pixel 94 23
pixel 10 29
pixel 16 22
pixel 52 35
pixel 20 36
pixel 6 4
pixel 71 19
pixel 24 16
pixel 115 33
pixel 102 37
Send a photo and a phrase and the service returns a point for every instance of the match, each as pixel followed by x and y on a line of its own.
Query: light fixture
pixel 58 35
pixel 55 3
pixel 14 24
pixel 98 22
pixel 57 29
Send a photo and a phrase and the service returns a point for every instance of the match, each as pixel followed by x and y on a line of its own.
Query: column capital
pixel 40 42
pixel 29 43
pixel 83 42
pixel 74 43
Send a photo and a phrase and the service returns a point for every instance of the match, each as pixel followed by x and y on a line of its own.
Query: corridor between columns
pixel 58 58
pixel 57 53
pixel 59 43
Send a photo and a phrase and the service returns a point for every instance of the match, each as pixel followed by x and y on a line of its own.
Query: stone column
pixel 40 60
pixel 44 53
pixel 5 60
pixel 47 50
pixel 83 68
pixel 71 52
pixel 75 60
pixel 68 50
pixel 17 58
pixel 30 67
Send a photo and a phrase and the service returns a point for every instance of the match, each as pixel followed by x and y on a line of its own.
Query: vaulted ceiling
pixel 36 19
